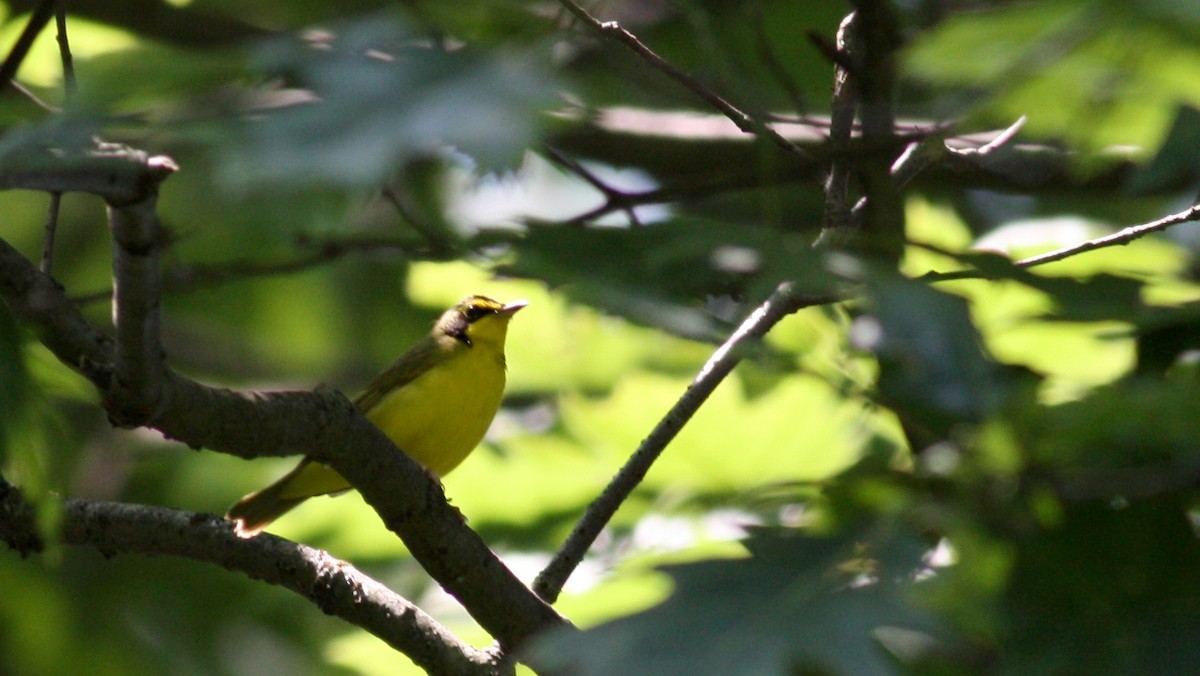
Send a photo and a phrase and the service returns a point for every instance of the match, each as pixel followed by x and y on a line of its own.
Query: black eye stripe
pixel 476 312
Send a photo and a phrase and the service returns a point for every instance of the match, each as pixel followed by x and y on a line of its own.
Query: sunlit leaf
pixel 1073 53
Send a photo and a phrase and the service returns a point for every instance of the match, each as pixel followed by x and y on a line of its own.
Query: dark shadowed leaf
pixel 1178 160
pixel 14 380
pixel 933 368
pixel 796 604
pixel 662 274
pixel 1127 602
pixel 1096 298
pixel 363 98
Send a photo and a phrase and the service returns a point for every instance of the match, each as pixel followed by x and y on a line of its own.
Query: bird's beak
pixel 512 307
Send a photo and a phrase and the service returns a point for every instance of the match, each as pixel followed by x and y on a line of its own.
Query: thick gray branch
pixel 334 586
pixel 138 388
pixel 139 360
pixel 118 174
pixel 322 424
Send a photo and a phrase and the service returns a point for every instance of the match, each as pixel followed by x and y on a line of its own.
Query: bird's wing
pixel 423 356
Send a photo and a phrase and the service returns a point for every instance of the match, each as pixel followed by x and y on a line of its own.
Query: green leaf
pixel 1166 337
pixel 370 94
pixel 1111 590
pixel 1178 160
pixel 1127 424
pixel 795 604
pixel 933 368
pixel 1094 298
pixel 660 274
pixel 1018 56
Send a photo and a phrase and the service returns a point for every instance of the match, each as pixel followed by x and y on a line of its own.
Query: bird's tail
pixel 256 511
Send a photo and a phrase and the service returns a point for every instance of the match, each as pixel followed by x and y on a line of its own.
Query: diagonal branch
pixel 784 301
pixel 334 586
pixel 16 56
pixel 744 121
pixel 614 199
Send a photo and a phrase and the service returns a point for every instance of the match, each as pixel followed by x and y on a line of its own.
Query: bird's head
pixel 479 321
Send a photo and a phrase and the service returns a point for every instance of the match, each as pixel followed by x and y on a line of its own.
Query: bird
pixel 435 403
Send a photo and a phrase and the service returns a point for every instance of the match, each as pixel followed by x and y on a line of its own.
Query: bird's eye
pixel 474 312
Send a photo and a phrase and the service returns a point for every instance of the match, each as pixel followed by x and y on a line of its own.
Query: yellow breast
pixel 441 416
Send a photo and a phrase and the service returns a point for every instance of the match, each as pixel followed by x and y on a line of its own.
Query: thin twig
pixel 1002 139
pixel 744 121
pixel 64 50
pixel 784 301
pixel 1121 237
pixel 438 243
pixel 614 199
pixel 16 56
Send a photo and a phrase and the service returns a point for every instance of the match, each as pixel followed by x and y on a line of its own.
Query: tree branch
pixel 875 35
pixel 836 218
pixel 118 174
pixel 321 424
pixel 1120 238
pixel 784 301
pixel 140 363
pixel 334 586
pixel 695 154
pixel 744 121
pixel 40 16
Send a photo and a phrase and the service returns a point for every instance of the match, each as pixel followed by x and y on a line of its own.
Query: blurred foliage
pixel 988 475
